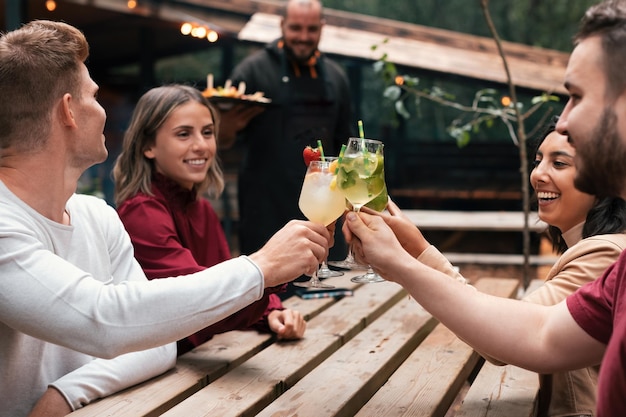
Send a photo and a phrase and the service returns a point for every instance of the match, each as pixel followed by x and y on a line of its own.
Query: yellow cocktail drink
pixel 320 199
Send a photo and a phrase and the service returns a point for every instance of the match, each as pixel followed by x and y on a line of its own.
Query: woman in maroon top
pixel 168 159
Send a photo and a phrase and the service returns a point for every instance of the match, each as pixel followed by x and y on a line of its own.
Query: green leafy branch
pixel 486 107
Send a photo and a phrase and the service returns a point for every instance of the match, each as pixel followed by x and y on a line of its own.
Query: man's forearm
pixel 51 404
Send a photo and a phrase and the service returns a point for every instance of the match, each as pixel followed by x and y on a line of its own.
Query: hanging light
pixel 131 4
pixel 186 28
pixel 199 31
pixel 212 36
pixel 51 5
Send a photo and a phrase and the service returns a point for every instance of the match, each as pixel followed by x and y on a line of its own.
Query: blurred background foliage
pixel 546 24
pixel 539 23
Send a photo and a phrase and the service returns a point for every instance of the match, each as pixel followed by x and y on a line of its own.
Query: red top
pixel 599 308
pixel 174 233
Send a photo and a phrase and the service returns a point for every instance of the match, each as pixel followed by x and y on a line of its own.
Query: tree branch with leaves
pixel 485 109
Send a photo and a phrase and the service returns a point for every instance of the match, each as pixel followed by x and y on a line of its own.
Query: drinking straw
pixel 363 148
pixel 321 149
pixel 340 157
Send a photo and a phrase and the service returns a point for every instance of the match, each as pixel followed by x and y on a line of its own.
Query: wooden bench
pixel 356 350
pixel 483 221
pixel 461 222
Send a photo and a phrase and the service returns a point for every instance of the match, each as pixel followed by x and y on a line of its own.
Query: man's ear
pixel 65 110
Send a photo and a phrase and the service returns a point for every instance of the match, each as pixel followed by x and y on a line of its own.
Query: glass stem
pixel 324 269
pixel 315 281
pixel 355 208
pixel 350 256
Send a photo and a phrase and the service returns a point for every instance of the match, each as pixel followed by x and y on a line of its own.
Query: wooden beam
pixel 353 35
pixel 440 51
pixel 415 46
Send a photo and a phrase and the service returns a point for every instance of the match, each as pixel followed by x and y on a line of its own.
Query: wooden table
pixel 376 353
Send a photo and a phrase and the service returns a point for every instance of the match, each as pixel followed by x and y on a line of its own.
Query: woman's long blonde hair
pixel 133 171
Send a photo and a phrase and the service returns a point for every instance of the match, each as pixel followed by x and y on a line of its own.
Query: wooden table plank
pixel 193 371
pixel 374 353
pixel 501 391
pixel 258 381
pixel 312 307
pixel 344 382
pixel 198 368
pixel 428 381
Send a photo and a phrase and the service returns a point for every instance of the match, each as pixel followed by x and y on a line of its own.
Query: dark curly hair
pixel 607 216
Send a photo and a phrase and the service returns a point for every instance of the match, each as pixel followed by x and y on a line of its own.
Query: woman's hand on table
pixel 287 323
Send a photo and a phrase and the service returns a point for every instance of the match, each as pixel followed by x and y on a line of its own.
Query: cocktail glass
pixel 349 262
pixel 379 203
pixel 321 202
pixel 361 178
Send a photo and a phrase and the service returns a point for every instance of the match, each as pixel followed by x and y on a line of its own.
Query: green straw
pixel 321 149
pixel 340 157
pixel 363 148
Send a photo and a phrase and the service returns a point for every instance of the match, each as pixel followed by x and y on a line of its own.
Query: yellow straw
pixel 361 134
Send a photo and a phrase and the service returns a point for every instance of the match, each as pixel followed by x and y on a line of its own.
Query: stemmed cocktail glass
pixel 321 202
pixel 379 203
pixel 349 262
pixel 361 178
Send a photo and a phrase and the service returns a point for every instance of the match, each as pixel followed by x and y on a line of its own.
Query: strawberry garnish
pixel 311 154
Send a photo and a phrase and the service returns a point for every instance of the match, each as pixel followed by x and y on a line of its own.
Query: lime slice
pixel 346 179
pixel 371 163
pixel 375 185
pixel 380 164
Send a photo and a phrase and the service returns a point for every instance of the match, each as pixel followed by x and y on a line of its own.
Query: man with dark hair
pixel 589 327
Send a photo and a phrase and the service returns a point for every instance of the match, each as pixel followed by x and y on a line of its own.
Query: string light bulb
pixel 186 28
pixel 212 36
pixel 199 31
pixel 51 5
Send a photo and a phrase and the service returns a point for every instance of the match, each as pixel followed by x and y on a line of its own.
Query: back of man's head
pixel 39 62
